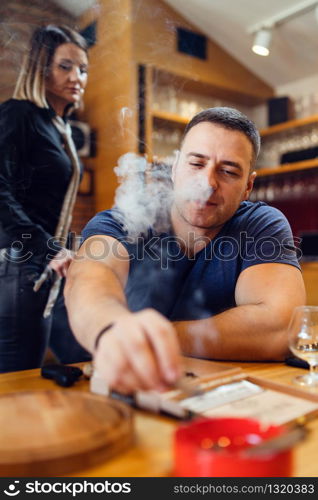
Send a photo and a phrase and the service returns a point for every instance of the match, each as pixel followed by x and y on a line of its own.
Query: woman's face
pixel 67 78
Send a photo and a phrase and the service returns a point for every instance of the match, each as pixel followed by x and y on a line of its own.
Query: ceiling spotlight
pixel 262 41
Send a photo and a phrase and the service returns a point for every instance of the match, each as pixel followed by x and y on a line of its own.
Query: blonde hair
pixel 36 65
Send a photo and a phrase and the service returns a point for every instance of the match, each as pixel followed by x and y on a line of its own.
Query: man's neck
pixel 191 238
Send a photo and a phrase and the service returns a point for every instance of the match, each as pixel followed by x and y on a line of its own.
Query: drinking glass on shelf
pixel 314 135
pixel 172 100
pixel 312 186
pixel 270 192
pixel 304 138
pixel 306 105
pixel 314 103
pixel 253 195
pixel 298 187
pixel 303 341
pixel 261 192
pixel 285 192
pixel 184 108
pixel 278 184
pixel 298 107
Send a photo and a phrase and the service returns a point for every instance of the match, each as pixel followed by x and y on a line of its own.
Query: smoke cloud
pixel 145 194
pixel 195 189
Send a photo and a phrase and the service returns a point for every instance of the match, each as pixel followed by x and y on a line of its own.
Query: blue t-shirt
pixel 184 288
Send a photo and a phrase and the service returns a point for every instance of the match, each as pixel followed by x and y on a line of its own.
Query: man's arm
pixel 141 350
pixel 256 329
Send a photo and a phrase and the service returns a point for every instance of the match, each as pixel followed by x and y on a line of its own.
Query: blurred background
pixel 155 63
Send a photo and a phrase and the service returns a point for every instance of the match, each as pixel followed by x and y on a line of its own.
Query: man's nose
pixel 212 177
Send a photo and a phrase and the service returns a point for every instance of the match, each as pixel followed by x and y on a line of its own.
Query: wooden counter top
pixel 151 454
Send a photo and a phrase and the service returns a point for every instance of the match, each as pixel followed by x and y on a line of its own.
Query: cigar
pixel 187 388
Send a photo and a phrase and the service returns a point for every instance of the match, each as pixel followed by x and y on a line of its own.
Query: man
pixel 228 296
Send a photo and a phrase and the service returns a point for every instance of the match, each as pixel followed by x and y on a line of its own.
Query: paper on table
pixel 269 407
pixel 220 396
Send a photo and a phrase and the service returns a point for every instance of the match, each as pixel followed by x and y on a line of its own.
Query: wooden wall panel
pixel 155 43
pixel 132 32
pixel 111 97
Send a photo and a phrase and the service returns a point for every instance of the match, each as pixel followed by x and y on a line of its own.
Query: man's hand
pixel 140 352
pixel 61 262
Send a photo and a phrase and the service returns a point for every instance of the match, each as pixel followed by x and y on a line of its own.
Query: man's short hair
pixel 231 119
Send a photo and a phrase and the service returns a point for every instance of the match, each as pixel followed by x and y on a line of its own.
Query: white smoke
pixel 125 113
pixel 145 194
pixel 195 189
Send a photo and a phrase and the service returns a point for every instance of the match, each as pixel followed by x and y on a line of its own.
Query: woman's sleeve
pixel 15 136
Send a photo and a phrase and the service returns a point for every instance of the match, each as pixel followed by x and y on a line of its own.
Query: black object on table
pixel 297 362
pixel 63 375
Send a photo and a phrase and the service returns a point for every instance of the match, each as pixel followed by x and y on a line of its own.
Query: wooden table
pixel 151 455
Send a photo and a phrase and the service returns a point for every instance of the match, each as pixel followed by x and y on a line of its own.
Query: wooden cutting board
pixel 51 433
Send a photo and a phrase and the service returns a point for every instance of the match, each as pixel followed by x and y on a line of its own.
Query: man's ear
pixel 249 185
pixel 174 165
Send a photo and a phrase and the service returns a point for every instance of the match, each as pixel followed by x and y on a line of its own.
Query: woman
pixel 38 182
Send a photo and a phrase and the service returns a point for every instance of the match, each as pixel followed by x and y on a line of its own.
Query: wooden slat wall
pixel 154 43
pixel 132 32
pixel 111 97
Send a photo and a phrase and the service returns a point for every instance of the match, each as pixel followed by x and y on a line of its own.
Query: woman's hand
pixel 61 262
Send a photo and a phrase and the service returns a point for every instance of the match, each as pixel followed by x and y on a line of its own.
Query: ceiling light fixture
pixel 262 41
pixel 263 30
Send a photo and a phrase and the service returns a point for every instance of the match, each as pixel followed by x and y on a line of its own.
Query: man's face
pixel 214 162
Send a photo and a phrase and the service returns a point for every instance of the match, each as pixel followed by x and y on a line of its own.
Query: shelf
pixel 280 127
pixel 183 78
pixel 288 167
pixel 169 117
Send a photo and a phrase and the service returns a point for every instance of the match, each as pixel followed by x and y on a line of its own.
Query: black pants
pixel 24 333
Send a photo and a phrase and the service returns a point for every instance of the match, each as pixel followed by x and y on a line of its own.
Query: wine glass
pixel 303 341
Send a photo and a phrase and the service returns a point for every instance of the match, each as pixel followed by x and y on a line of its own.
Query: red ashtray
pixel 214 447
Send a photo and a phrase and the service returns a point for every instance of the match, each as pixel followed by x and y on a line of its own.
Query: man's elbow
pixel 278 349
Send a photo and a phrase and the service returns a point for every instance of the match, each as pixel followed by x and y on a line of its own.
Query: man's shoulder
pixel 256 209
pixel 102 217
pixel 253 212
pixel 107 222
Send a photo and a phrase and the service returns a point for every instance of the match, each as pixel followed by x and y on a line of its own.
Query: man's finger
pixel 163 339
pixel 141 357
pixel 118 372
